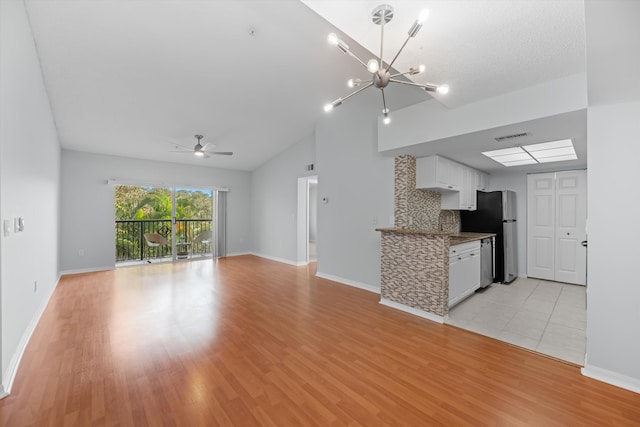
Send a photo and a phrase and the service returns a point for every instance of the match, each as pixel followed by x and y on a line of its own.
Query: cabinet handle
pixel 451 186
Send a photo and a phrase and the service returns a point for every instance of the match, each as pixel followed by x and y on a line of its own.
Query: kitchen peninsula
pixel 415 268
pixel 416 259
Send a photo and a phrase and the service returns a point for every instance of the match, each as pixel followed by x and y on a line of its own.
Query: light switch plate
pixel 7 227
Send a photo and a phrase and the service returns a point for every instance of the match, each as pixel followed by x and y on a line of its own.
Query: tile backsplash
pixel 419 209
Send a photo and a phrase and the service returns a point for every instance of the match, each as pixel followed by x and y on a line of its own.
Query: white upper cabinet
pixel 457 183
pixel 482 181
pixel 437 173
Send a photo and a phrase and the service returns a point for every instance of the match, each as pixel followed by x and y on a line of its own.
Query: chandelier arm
pixel 353 55
pixel 409 83
pixel 381 38
pixel 384 102
pixel 400 74
pixel 357 91
pixel 398 54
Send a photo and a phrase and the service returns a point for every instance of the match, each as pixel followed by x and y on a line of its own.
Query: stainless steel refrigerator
pixel 496 213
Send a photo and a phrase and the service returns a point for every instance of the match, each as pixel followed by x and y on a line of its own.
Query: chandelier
pixel 380 75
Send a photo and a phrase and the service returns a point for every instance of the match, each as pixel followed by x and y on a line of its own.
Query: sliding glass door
pixel 193 223
pixel 155 224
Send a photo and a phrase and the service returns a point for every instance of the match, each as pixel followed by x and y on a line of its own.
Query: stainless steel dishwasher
pixel 486 262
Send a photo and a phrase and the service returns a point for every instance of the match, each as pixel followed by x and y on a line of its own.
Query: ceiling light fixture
pixel 198 150
pixel 381 76
pixel 546 152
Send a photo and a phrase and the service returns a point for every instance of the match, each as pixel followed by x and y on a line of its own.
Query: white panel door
pixel 541 226
pixel 571 218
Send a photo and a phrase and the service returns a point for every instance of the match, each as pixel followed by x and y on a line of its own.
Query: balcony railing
pixel 131 246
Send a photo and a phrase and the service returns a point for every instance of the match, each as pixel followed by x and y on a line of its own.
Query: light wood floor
pixel 246 341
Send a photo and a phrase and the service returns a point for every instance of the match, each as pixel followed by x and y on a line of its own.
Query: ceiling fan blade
pixel 181 151
pixel 221 153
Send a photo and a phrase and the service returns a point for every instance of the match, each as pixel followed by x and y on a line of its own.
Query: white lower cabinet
pixel 464 271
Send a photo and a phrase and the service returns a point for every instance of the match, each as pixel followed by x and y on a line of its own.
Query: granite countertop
pixel 455 238
pixel 458 238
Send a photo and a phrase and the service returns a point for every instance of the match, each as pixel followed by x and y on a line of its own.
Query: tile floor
pixel 548 317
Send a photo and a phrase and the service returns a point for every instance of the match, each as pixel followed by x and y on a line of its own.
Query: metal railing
pixel 131 245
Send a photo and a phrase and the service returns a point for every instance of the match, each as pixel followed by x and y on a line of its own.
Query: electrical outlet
pixel 7 227
pixel 80 252
pixel 375 220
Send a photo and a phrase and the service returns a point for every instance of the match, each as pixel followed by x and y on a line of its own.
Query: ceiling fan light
pixel 373 66
pixel 333 39
pixel 443 89
pixel 422 68
pixel 199 153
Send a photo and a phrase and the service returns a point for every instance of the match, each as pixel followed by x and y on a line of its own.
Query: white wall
pixel 613 290
pixel 87 220
pixel 515 181
pixel 544 100
pixel 275 198
pixel 358 182
pixel 29 186
pixel 613 125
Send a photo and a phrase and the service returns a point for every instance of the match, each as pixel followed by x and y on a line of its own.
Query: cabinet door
pixel 482 181
pixel 470 188
pixel 443 169
pixel 455 175
pixel 456 278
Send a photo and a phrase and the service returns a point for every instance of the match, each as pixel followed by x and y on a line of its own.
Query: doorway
pixel 163 224
pixel 307 220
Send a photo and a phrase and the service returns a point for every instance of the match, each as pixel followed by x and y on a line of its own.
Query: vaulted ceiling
pixel 134 78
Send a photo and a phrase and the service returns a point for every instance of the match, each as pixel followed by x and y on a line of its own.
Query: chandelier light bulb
pixel 424 14
pixel 333 39
pixel 373 66
pixel 386 120
pixel 443 89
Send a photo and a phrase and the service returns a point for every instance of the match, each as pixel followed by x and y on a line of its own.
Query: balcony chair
pixel 154 240
pixel 205 238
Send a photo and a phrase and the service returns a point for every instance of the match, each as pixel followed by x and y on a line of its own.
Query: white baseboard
pixel 10 374
pixel 414 311
pixel 613 378
pixel 282 260
pixel 353 283
pixel 238 254
pixel 86 270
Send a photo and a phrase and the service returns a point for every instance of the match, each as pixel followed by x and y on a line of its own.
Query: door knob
pixel 584 243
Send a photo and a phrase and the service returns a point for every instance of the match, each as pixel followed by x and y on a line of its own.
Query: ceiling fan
pixel 199 150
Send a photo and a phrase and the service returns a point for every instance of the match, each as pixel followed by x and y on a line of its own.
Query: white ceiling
pixel 130 77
